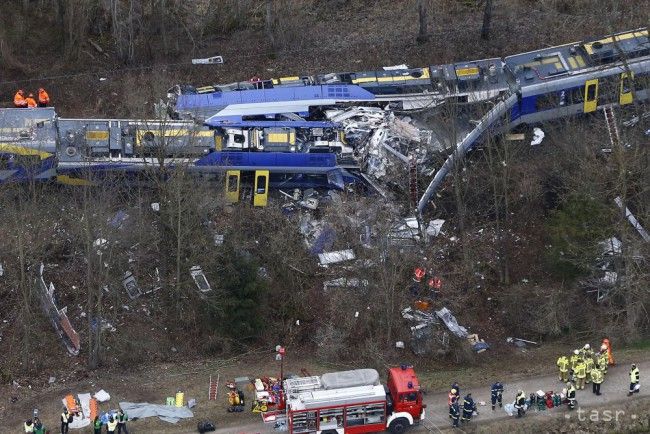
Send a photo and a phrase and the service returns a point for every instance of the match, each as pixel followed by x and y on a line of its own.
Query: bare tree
pixel 487 19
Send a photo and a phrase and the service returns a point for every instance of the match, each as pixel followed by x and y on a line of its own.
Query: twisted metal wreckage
pixel 328 131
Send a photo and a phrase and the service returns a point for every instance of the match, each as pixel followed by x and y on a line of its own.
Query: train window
pixel 233 183
pixel 628 84
pixel 261 185
pixel 548 101
pixel 591 92
pixel 575 95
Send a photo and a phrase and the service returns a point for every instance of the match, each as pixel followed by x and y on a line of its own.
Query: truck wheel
pixel 399 425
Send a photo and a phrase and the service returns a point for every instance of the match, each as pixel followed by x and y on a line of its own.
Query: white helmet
pixel 587 346
pixel 576 352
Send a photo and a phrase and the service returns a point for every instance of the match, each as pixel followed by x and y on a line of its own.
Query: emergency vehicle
pixel 354 402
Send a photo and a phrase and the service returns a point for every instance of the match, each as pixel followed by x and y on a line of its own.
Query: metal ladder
pixel 612 127
pixel 213 389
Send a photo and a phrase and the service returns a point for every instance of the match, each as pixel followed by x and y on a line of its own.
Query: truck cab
pixel 405 399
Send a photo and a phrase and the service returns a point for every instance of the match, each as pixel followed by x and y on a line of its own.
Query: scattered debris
pixel 155 206
pixel 633 221
pixel 345 283
pixel 51 380
pixel 129 283
pixel 199 279
pixel 399 344
pixel 117 220
pixel 214 60
pixel 102 396
pixel 335 257
pixel 219 239
pixel 538 136
pixel 611 246
pixel 478 345
pixel 434 228
pixel 2 270
pixel 58 317
pixel 450 321
pixel 520 343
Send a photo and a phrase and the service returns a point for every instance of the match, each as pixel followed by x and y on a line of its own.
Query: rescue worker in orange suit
pixel 607 346
pixel 19 99
pixel 31 102
pixel 43 98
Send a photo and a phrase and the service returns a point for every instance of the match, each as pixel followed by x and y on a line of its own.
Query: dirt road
pixel 614 394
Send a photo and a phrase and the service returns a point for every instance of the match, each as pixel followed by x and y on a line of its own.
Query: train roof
pixel 541 65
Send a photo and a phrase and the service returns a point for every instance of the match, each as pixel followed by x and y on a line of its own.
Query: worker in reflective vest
pixel 111 425
pixel 97 425
pixel 520 402
pixel 29 426
pixel 589 366
pixel 66 418
pixel 563 365
pixel 121 422
pixel 454 412
pixel 603 362
pixel 581 375
pixel 19 99
pixel 43 98
pixel 635 377
pixel 607 346
pixel 597 377
pixel 31 102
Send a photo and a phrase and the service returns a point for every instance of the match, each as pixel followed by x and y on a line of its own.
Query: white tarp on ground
pixel 328 258
pixel 353 378
pixel 102 396
pixel 167 413
pixel 450 321
pixel 82 419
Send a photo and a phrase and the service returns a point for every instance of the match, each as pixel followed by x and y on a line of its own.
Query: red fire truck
pixel 354 402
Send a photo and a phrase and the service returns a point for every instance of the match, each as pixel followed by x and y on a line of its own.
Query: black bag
pixel 205 426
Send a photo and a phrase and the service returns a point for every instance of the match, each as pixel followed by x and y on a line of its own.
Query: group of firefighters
pixel 115 423
pixel 22 101
pixel 584 366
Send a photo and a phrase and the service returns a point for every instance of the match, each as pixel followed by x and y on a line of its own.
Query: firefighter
pixel 453 394
pixel 19 99
pixel 635 378
pixel 573 361
pixel 28 425
pixel 66 418
pixel 571 395
pixel 586 351
pixel 597 377
pixel 122 418
pixel 589 366
pixel 469 407
pixel 607 346
pixel 602 362
pixel 97 425
pixel 563 365
pixel 111 425
pixel 496 394
pixel 520 402
pixel 581 374
pixel 43 98
pixel 31 102
pixel 454 412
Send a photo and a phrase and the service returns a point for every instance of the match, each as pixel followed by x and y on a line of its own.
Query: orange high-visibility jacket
pixel 19 99
pixel 31 102
pixel 43 97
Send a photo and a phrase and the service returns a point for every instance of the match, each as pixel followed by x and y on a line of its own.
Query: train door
pixel 233 180
pixel 625 91
pixel 591 95
pixel 261 192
